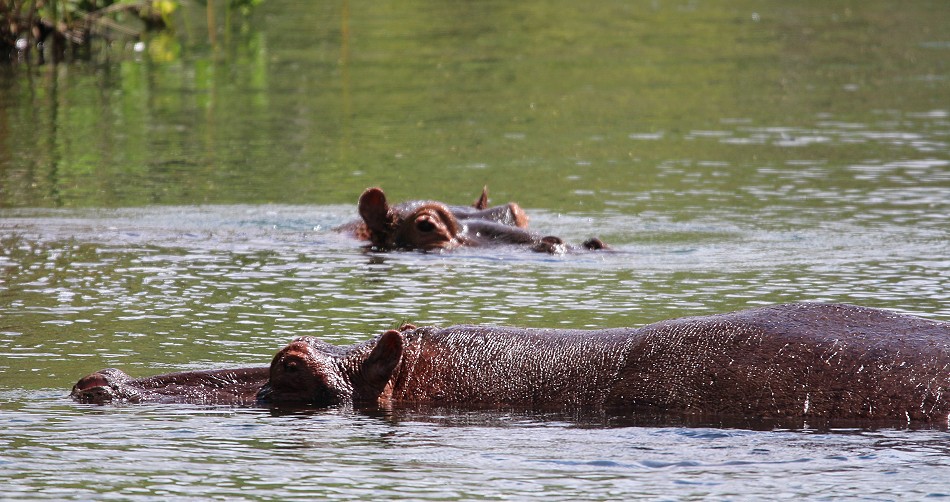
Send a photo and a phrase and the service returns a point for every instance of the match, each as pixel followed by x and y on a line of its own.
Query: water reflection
pixel 311 104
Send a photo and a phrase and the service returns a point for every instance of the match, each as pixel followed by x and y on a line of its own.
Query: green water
pixel 171 209
pixel 554 104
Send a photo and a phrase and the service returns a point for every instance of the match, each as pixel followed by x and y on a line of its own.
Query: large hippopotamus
pixel 806 360
pixel 430 225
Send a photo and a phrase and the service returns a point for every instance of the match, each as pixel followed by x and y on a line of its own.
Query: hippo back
pixel 798 360
pixel 490 366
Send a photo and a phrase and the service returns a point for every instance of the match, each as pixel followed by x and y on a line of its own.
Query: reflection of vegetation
pixel 54 26
pixel 310 102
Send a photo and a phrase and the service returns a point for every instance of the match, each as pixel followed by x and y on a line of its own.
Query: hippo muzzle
pixel 104 386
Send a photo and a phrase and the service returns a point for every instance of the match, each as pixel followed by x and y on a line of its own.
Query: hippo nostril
pixel 291 366
pixel 425 226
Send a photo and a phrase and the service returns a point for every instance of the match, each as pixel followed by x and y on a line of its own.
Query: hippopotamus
pixel 784 361
pixel 804 360
pixel 509 214
pixel 233 387
pixel 430 226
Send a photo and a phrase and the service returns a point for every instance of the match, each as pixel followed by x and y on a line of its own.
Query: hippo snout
pixel 101 387
pixel 92 389
pixel 90 382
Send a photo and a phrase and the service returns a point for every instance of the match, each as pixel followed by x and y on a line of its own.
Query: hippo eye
pixel 425 226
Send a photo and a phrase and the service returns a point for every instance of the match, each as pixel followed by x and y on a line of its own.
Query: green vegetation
pixel 56 27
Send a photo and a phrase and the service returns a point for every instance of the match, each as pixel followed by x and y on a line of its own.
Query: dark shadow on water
pixel 470 416
pixel 638 418
pixel 595 419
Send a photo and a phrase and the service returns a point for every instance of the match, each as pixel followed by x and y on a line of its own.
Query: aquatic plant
pixel 56 26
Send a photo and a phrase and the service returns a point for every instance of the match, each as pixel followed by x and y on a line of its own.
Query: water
pixel 147 452
pixel 172 210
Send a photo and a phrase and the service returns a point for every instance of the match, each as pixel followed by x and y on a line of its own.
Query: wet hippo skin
pixel 797 360
pixel 430 225
pixel 783 361
pixel 236 387
pixel 509 214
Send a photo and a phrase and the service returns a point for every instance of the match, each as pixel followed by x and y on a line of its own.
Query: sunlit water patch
pixel 142 452
pixel 162 289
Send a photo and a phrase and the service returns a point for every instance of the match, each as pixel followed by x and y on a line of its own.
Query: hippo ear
pixel 482 202
pixel 378 367
pixel 374 210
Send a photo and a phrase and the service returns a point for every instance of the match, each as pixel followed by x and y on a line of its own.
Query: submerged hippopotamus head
pixel 103 386
pixel 430 226
pixel 419 225
pixel 310 372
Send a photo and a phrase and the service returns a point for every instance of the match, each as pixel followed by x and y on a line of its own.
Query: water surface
pixel 173 210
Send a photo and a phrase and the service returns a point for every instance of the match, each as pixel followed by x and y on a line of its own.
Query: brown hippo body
pixel 785 361
pixel 798 360
pixel 430 226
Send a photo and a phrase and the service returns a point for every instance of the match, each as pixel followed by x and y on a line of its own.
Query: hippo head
pixel 424 225
pixel 310 372
pixel 105 386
